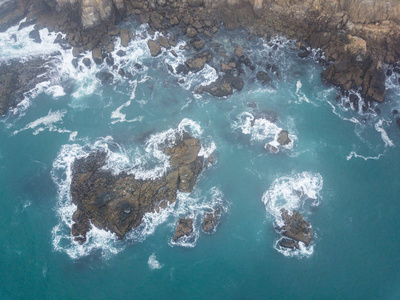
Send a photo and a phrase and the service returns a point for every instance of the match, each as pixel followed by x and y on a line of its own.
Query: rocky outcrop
pixel 17 78
pixel 118 202
pixel 183 229
pixel 196 63
pixel 211 220
pixel 283 138
pixel 296 229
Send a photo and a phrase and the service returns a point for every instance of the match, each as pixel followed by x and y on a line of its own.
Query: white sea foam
pixel 260 129
pixel 300 95
pixel 384 135
pixel 153 263
pixel 293 193
pixel 355 155
pixel 47 122
pixel 120 117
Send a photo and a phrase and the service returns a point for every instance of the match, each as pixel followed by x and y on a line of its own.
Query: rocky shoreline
pixel 358 37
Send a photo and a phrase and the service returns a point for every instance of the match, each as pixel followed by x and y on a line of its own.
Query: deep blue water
pixel 346 162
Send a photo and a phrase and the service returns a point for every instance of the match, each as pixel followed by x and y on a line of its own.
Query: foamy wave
pixel 260 129
pixel 153 263
pixel 293 193
pixel 300 95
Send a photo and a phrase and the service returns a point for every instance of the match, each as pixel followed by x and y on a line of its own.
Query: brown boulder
pixel 283 138
pixel 191 32
pixel 197 63
pixel 162 40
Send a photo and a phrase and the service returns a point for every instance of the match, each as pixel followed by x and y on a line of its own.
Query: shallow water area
pixel 344 162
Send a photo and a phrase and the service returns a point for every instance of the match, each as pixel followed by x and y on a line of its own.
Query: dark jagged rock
pixel 197 63
pixel 16 78
pixel 283 138
pixel 155 49
pixel 184 228
pixel 296 228
pixel 118 202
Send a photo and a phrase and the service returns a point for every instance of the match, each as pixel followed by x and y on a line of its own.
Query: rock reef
pixel 117 203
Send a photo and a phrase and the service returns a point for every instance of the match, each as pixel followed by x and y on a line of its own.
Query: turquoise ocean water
pixel 346 162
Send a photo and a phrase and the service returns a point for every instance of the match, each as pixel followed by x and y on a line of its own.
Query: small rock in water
pixel 162 40
pixel 210 221
pixel 239 51
pixel 184 228
pixel 87 62
pixel 283 138
pixel 197 63
pixel 271 148
pixel 105 77
pixel 121 53
pixel 97 55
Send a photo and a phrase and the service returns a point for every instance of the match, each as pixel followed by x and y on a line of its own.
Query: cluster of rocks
pixel 118 202
pixel 294 230
pixel 185 226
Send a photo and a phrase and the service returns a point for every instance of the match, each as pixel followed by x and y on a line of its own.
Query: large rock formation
pixel 183 229
pixel 118 203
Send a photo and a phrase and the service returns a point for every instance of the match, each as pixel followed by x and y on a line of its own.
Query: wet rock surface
pixel 118 202
pixel 295 228
pixel 197 63
pixel 17 78
pixel 183 229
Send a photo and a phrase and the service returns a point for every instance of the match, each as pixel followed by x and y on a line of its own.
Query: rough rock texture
pixel 296 228
pixel 223 86
pixel 118 203
pixel 184 228
pixel 288 243
pixel 16 78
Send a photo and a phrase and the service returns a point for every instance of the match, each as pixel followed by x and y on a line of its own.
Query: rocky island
pixel 117 203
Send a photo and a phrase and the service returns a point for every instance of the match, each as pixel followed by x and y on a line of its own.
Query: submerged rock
pixel 184 228
pixel 118 202
pixel 263 77
pixel 296 228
